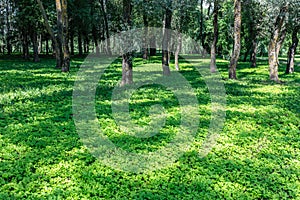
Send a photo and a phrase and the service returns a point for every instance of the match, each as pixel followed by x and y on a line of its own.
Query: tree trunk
pixel 153 45
pixel 8 26
pixel 273 46
pixel 237 39
pixel 178 49
pixel 80 52
pixel 127 56
pixel 95 38
pixel 35 44
pixel 166 40
pixel 213 65
pixel 103 8
pixel 25 45
pixel 145 37
pixel 65 43
pixel 292 52
pixel 254 53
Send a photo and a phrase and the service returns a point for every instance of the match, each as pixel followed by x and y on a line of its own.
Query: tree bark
pixel 273 46
pixel 146 48
pixel 56 41
pixel 166 40
pixel 237 39
pixel 127 56
pixel 213 65
pixel 108 50
pixel 65 37
pixel 80 52
pixel 35 44
pixel 253 59
pixel 153 45
pixel 290 68
pixel 178 49
pixel 25 45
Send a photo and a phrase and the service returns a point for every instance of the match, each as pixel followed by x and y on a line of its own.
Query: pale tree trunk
pixel 273 46
pixel 213 64
pixel 292 52
pixel 178 49
pixel 56 43
pixel 65 38
pixel 237 39
pixel 166 40
pixel 279 44
pixel 127 56
pixel 103 8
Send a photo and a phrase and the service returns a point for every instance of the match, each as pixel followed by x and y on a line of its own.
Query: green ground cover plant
pixel 42 157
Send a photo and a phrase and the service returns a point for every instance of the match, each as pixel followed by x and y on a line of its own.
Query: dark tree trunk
pixel 25 45
pixel 237 39
pixel 79 43
pixel 146 48
pixel 273 46
pixel 166 40
pixel 65 43
pixel 35 44
pixel 254 53
pixel 178 49
pixel 127 56
pixel 292 52
pixel 213 65
pixel 153 45
pixel 95 38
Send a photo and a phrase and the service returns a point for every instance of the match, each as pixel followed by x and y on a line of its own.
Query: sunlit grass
pixel 42 157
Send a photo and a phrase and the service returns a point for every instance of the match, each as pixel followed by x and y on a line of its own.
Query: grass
pixel 42 157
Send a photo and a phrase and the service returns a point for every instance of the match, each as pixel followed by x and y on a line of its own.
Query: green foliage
pixel 41 156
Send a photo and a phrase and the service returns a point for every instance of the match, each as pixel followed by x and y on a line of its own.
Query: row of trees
pixel 235 29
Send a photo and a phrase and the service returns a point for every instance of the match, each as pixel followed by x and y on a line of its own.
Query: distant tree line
pixel 232 29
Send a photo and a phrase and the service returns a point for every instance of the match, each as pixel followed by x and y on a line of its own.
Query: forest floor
pixel 42 157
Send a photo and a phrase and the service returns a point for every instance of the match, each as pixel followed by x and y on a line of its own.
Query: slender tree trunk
pixel 35 44
pixel 213 65
pixel 146 48
pixel 8 26
pixel 25 45
pixel 237 39
pixel 127 57
pixel 95 38
pixel 253 59
pixel 40 42
pixel 47 46
pixel 273 46
pixel 153 45
pixel 166 40
pixel 56 41
pixel 178 49
pixel 292 52
pixel 80 52
pixel 280 43
pixel 103 8
pixel 65 38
